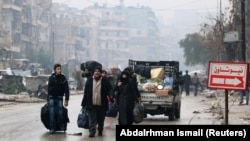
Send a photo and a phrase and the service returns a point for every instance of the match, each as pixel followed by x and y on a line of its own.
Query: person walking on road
pixel 113 76
pixel 126 97
pixel 187 82
pixel 195 82
pixel 95 101
pixel 242 94
pixel 104 76
pixel 57 88
pixel 246 94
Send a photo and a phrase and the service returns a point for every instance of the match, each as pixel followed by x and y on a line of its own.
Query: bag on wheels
pixel 45 116
pixel 46 121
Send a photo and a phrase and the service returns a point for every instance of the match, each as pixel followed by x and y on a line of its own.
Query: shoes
pixel 91 135
pixel 52 131
pixel 62 129
pixel 100 133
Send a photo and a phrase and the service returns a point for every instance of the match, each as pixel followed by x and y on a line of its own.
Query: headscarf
pixel 129 69
pixel 125 80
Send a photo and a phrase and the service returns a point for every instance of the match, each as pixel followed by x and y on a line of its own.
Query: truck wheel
pixel 171 114
pixel 178 111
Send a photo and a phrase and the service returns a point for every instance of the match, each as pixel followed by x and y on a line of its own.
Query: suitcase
pixel 45 117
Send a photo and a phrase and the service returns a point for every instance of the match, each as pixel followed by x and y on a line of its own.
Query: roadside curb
pixel 8 99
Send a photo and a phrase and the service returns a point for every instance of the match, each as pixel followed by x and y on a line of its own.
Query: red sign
pixel 228 75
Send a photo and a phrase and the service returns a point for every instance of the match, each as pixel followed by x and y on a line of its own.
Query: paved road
pixel 22 121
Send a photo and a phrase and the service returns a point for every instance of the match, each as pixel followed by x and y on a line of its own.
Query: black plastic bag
pixel 138 112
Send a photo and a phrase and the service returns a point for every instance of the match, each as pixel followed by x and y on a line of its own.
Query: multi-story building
pixel 11 15
pixel 24 26
pixel 124 33
pixel 110 35
pixel 144 33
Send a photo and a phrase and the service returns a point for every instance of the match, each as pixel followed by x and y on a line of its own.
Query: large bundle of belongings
pixel 149 78
pixel 90 66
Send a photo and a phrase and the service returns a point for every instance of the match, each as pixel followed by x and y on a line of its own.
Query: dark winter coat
pixel 187 79
pixel 88 93
pixel 126 97
pixel 58 86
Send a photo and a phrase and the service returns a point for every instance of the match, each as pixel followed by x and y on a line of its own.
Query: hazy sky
pixel 163 8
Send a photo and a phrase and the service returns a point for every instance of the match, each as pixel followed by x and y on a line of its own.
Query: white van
pixel 7 71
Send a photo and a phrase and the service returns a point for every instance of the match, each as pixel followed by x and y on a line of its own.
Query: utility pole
pixel 53 46
pixel 243 36
pixel 222 33
pixel 222 44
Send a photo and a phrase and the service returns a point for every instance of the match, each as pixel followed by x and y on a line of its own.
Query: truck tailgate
pixel 150 100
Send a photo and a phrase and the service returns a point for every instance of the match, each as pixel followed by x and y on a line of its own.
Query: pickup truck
pixel 154 104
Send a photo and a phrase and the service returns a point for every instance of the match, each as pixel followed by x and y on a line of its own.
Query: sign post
pixel 228 76
pixel 231 36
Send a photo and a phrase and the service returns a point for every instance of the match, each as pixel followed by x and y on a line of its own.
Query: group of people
pixel 189 80
pixel 121 88
pixel 194 80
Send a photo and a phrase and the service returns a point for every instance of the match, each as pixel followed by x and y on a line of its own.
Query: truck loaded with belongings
pixel 156 99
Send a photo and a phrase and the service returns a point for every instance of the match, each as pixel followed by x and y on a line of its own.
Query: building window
pixel 106 45
pixel 118 45
pixel 118 33
pixel 119 24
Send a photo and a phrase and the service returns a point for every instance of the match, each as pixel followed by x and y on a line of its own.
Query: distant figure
pixel 242 94
pixel 195 82
pixel 246 94
pixel 187 82
pixel 168 81
pixel 181 82
pixel 113 77
pixel 111 90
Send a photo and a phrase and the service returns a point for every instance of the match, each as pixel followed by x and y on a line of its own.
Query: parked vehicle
pixel 72 84
pixel 155 98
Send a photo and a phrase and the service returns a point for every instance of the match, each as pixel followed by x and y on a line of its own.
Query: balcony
pixel 12 6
